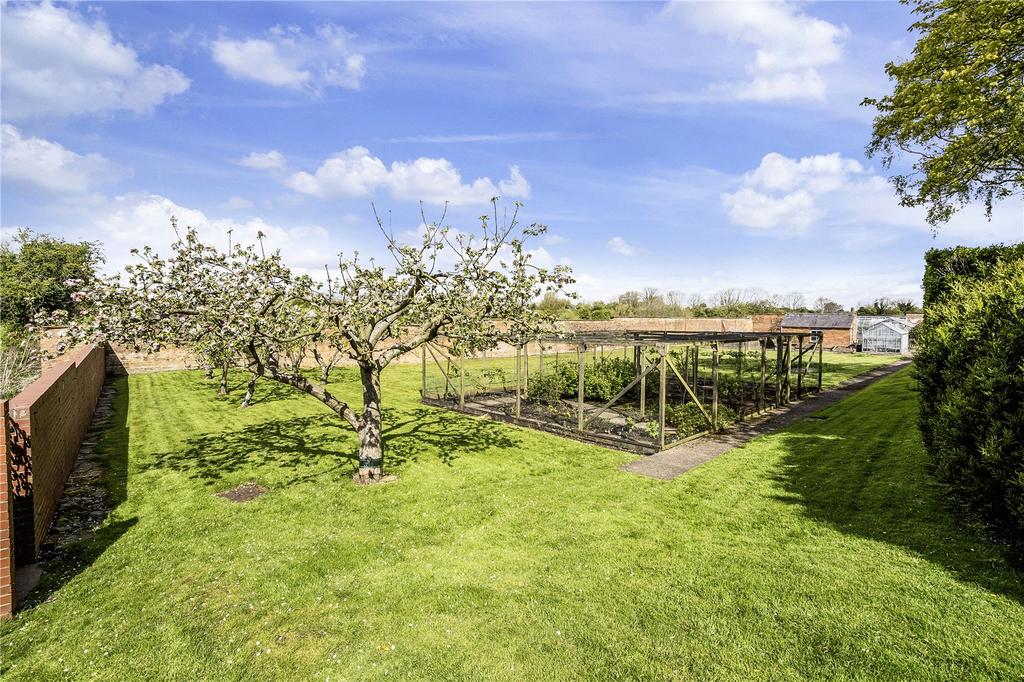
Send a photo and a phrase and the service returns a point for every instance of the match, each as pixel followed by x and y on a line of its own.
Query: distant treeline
pixel 651 302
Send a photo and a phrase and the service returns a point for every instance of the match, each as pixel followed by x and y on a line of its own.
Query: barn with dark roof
pixel 838 330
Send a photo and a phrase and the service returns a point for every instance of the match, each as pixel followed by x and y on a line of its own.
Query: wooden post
pixel 540 367
pixel 519 383
pixel 739 379
pixel 696 365
pixel 581 352
pixel 821 353
pixel 764 361
pixel 526 368
pixel 661 398
pixel 789 367
pixel 643 383
pixel 778 371
pixel 423 370
pixel 686 367
pixel 714 386
pixel 636 361
pixel 800 369
pixel 462 380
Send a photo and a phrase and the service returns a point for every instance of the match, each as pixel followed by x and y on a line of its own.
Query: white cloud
pixel 781 194
pixel 272 160
pixel 355 172
pixel 139 219
pixel 436 181
pixel 236 203
pixel 747 207
pixel 858 208
pixel 289 58
pixel 620 246
pixel 351 173
pixel 554 239
pixel 789 45
pixel 516 185
pixel 820 173
pixel 47 165
pixel 55 63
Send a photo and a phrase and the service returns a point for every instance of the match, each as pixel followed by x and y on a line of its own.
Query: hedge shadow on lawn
pixel 886 494
pixel 301 441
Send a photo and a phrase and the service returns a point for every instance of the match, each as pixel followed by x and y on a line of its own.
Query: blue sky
pixel 690 147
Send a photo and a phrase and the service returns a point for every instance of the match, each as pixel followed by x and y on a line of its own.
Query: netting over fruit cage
pixel 637 391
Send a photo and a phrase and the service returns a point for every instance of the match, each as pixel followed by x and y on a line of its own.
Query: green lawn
pixel 822 551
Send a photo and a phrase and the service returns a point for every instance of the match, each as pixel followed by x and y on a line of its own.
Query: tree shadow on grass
pixel 301 442
pixel 879 488
pixel 296 442
pixel 423 431
pixel 267 391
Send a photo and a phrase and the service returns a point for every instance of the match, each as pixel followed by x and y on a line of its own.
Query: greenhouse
pixel 635 391
pixel 884 335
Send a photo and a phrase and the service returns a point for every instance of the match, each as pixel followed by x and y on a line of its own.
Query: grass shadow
pixel 294 442
pixel 267 390
pixel 64 564
pixel 300 442
pixel 877 486
pixel 422 431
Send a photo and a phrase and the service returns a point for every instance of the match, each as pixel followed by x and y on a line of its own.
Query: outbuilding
pixel 837 330
pixel 884 334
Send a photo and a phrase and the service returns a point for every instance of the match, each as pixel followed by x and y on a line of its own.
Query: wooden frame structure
pixel 652 352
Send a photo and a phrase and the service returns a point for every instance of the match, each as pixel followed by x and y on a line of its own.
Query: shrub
pixel 604 379
pixel 547 387
pixel 19 366
pixel 970 372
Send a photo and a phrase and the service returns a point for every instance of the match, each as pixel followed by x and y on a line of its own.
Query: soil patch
pixel 243 493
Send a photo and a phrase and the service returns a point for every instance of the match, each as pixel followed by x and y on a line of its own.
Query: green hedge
pixel 970 371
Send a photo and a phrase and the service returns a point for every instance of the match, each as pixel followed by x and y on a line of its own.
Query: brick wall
pixel 836 339
pixel 766 323
pixel 6 520
pixel 45 426
pixel 123 360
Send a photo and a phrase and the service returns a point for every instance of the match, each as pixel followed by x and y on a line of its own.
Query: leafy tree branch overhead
pixel 957 108
pixel 473 289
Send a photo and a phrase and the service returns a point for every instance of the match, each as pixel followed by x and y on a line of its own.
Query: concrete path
pixel 668 464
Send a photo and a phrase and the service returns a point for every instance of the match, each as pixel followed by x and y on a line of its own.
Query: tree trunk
pixel 371 444
pixel 224 379
pixel 249 389
pixel 325 374
pixel 209 372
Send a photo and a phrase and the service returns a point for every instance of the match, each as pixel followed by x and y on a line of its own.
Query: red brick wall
pixel 6 521
pixel 831 338
pixel 48 421
pixel 766 323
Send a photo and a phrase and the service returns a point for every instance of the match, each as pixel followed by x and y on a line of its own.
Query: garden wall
pixel 124 360
pixel 6 519
pixel 43 429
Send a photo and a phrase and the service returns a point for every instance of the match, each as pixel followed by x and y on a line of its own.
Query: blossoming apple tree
pixel 471 289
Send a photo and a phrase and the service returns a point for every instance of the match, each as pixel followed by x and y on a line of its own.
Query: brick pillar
pixel 6 520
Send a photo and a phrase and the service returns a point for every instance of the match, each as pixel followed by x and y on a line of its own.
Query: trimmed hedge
pixel 970 372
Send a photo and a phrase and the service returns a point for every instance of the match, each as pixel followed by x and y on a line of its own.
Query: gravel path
pixel 668 464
